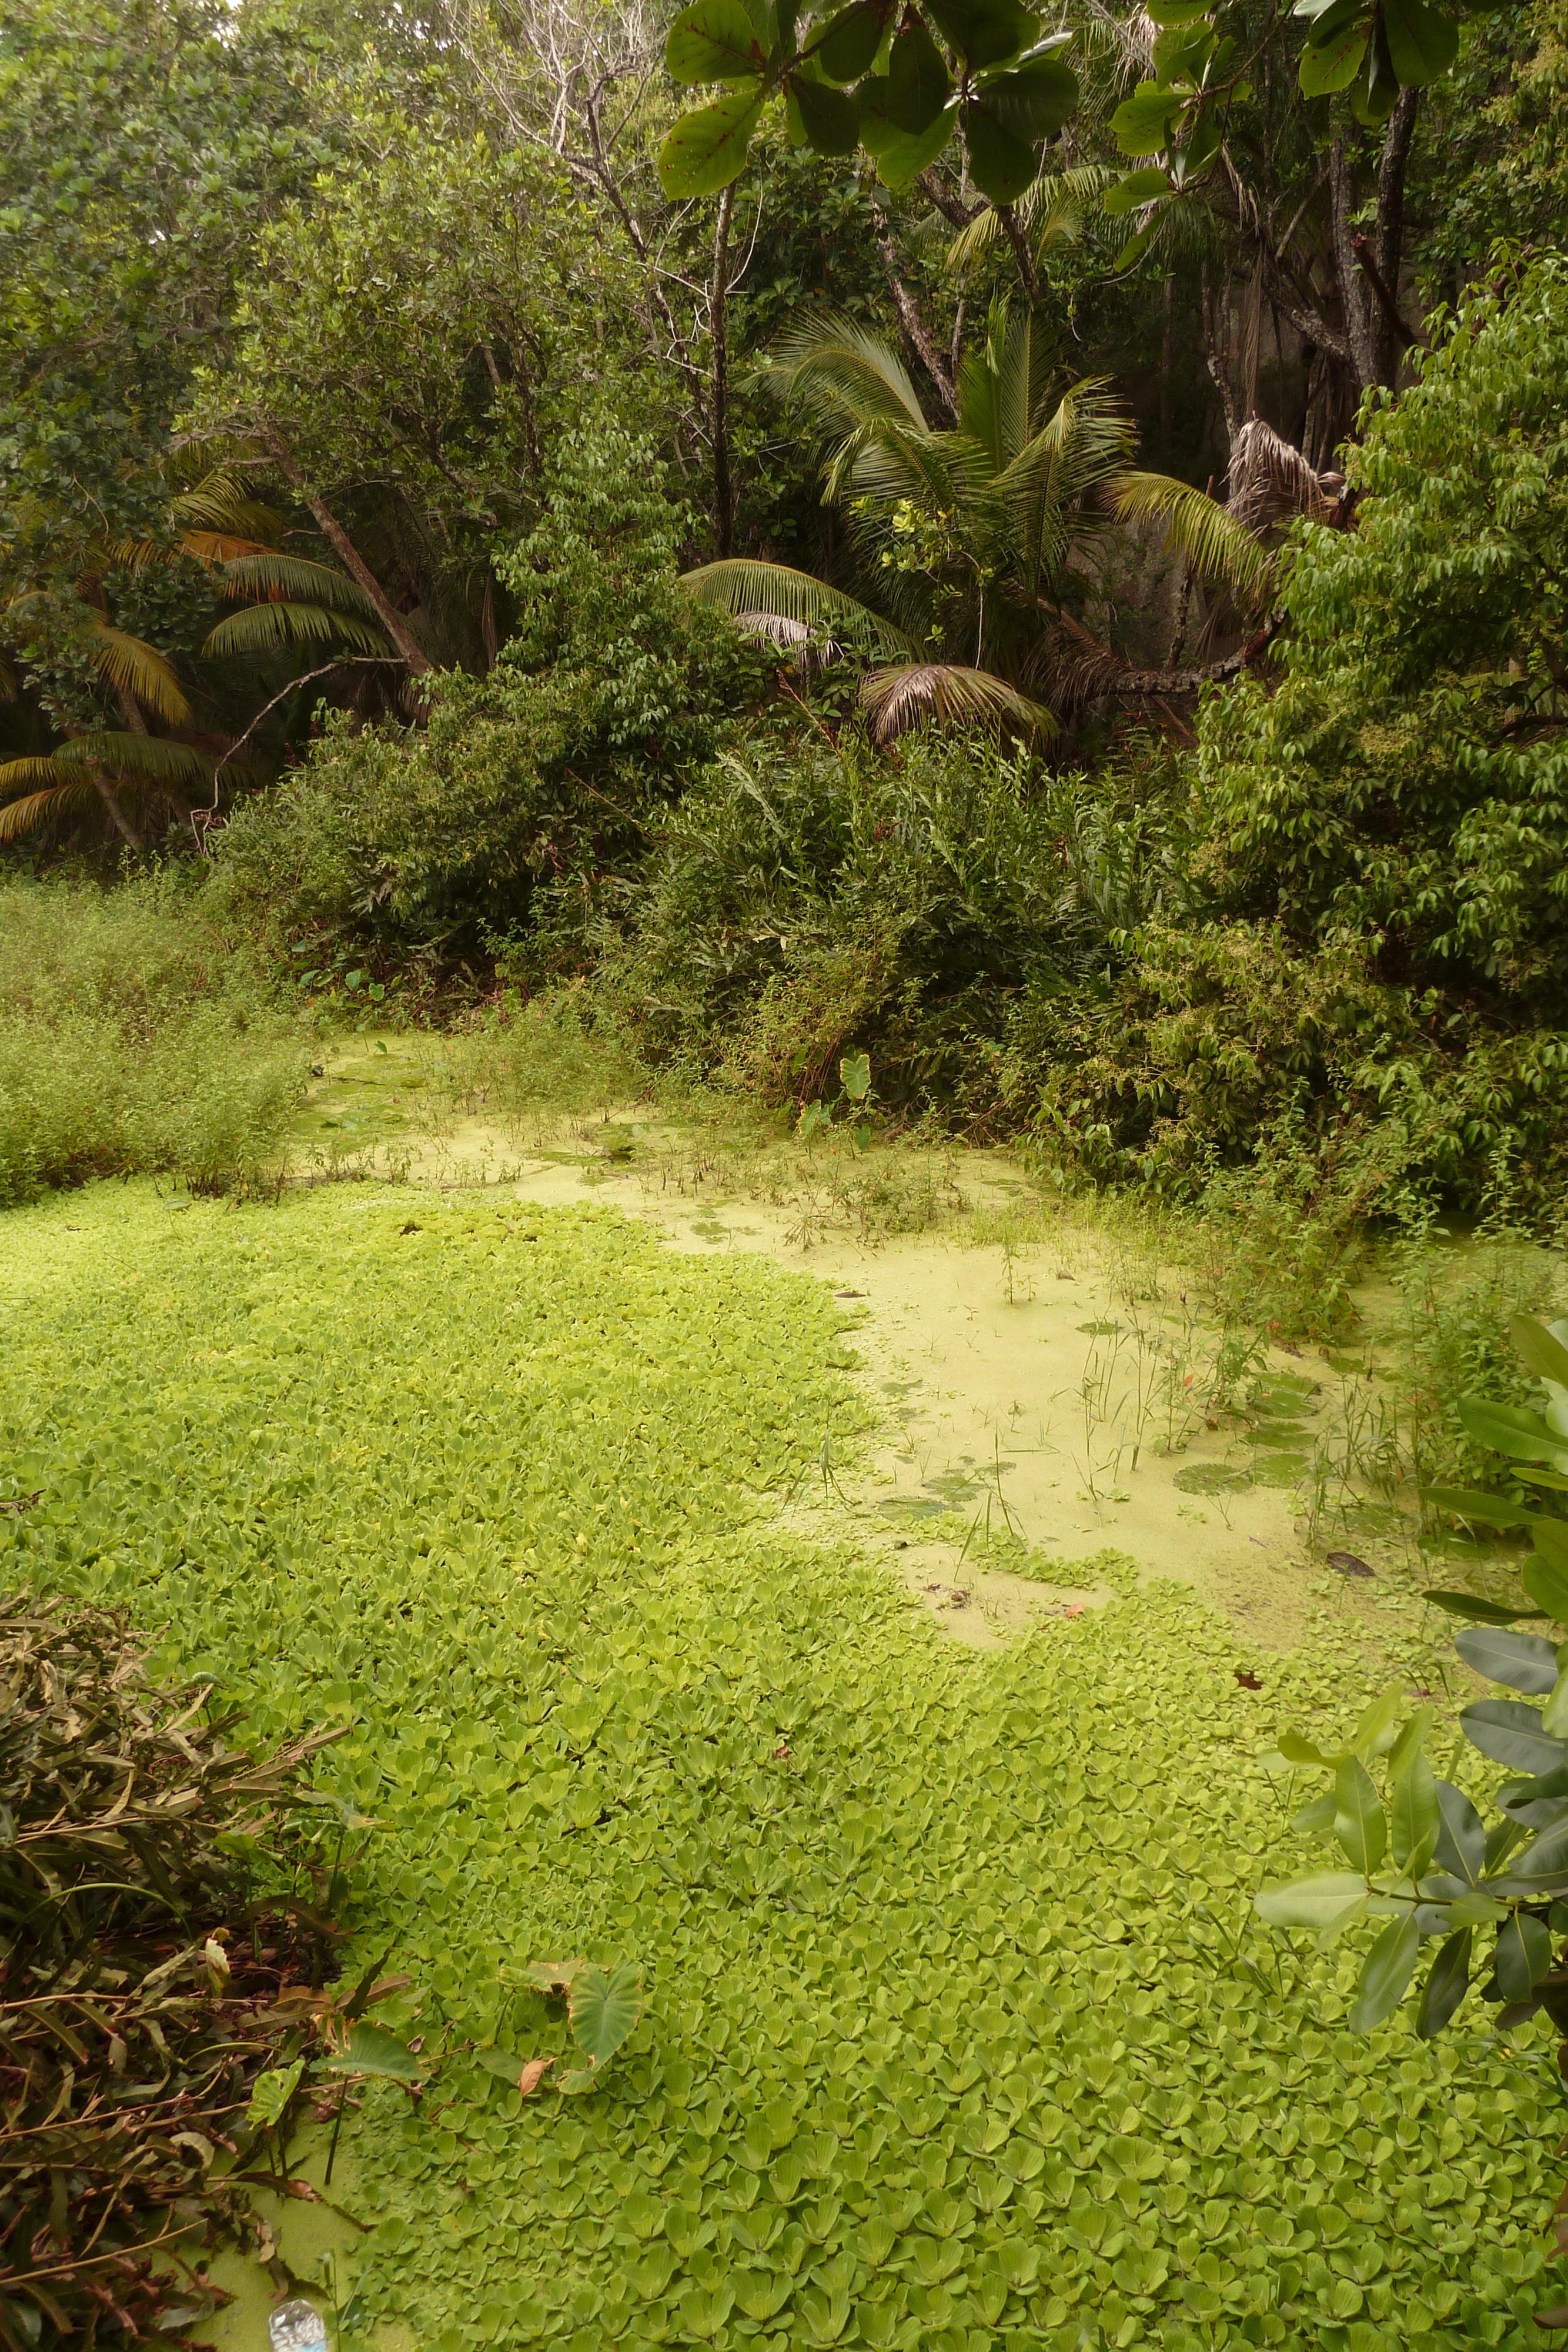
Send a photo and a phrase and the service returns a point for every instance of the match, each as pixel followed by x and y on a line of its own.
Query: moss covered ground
pixel 957 2034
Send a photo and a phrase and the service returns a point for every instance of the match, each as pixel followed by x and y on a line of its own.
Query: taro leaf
pixel 1469 1502
pixel 918 87
pixel 554 1976
pixel 1002 164
pixel 1333 65
pixel 1511 1733
pixel 705 150
pixel 851 41
pixel 714 40
pixel 1035 100
pixel 1461 1835
pixel 1422 44
pixel 369 2051
pixel 1390 1965
pixel 1446 1983
pixel 827 117
pixel 1316 1903
pixel 1142 123
pixel 1523 1956
pixel 1480 1611
pixel 270 2093
pixel 604 2009
pixel 1359 1823
pixel 1525 1662
pixel 854 1076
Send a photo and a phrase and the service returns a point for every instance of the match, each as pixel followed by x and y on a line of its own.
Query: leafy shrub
pixel 134 1035
pixel 1379 843
pixel 807 901
pixel 529 790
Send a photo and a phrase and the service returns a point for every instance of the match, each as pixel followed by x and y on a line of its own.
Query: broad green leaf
pixel 1534 1341
pixel 1545 1574
pixel 1181 53
pixel 1134 189
pixel 1374 1734
pixel 706 149
pixel 1415 1821
pixel 1509 1428
pixel 1461 1837
pixel 902 160
pixel 1480 1611
pixel 1545 1856
pixel 1523 1956
pixel 1511 1733
pixel 983 31
pixel 1142 123
pixel 1422 44
pixel 1316 1820
pixel 761 2295
pixel 1525 1662
pixel 1359 1823
pixel 829 117
pixel 604 2010
pixel 1165 13
pixel 1446 1984
pixel 1469 1502
pixel 854 1076
pixel 370 2052
pixel 1002 164
pixel 270 2093
pixel 1035 100
pixel 1313 1902
pixel 712 40
pixel 852 40
pixel 1334 66
pixel 1554 1714
pixel 1297 1750
pixel 1475 1910
pixel 1389 1966
pixel 917 80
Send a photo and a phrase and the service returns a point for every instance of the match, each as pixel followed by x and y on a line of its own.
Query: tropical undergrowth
pixel 958 2030
pixel 136 1036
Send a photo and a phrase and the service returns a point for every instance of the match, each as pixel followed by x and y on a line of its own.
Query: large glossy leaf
pixel 1389 1966
pixel 1467 1502
pixel 1316 1903
pixel 1522 1957
pixel 1000 164
pixel 1445 1984
pixel 1034 100
pixel 984 32
pixel 1478 1611
pixel 852 40
pixel 1512 1734
pixel 1422 41
pixel 1511 1430
pixel 1545 1856
pixel 706 149
pixel 1142 123
pixel 712 40
pixel 1539 1347
pixel 1177 12
pixel 1334 65
pixel 828 116
pixel 1359 1823
pixel 1135 188
pixel 1525 1662
pixel 603 2009
pixel 917 80
pixel 1461 1835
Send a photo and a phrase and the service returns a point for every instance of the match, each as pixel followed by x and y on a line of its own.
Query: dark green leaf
pixel 829 117
pixel 1390 1965
pixel 1445 1984
pixel 1482 1612
pixel 917 80
pixel 1467 1502
pixel 1334 66
pixel 852 41
pixel 1415 1819
pixel 984 32
pixel 1511 1430
pixel 712 40
pixel 1422 43
pixel 1461 1836
pixel 1142 123
pixel 1134 189
pixel 1523 1955
pixel 1512 1734
pixel 1034 101
pixel 1000 165
pixel 1525 1662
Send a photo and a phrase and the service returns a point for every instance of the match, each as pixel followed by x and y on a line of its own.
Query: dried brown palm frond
pixel 1271 481
pixel 914 693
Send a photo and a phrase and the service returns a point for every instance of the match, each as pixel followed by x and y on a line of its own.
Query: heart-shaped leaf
pixel 604 2009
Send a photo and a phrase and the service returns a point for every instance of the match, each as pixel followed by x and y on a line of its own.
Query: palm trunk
pixel 110 800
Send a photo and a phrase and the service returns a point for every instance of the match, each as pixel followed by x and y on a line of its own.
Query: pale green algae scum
pixel 958 2035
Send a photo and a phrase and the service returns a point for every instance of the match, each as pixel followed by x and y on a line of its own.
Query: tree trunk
pixel 913 325
pixel 718 396
pixel 1369 273
pixel 349 555
pixel 110 800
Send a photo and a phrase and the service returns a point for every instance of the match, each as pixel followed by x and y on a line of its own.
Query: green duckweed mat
pixel 959 2034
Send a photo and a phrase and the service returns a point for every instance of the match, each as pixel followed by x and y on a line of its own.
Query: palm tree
pixel 286 601
pixel 969 534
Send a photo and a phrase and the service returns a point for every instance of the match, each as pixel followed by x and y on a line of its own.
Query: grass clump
pixel 958 2030
pixel 133 1037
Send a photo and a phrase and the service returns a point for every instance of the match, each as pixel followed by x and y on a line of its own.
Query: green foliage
pixel 525 790
pixel 1374 940
pixel 134 1036
pixel 939 2034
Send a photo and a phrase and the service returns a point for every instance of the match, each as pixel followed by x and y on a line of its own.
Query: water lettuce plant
pixel 956 2029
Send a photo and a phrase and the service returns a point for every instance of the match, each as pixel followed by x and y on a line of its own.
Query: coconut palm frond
pixel 1051 212
pixel 946 693
pixel 212 546
pixel 20 817
pixel 260 628
pixel 261 571
pixel 37 771
pixel 131 663
pixel 1270 480
pixel 1197 527
pixel 843 375
pixel 10 684
pixel 753 591
pixel 142 759
pixel 221 502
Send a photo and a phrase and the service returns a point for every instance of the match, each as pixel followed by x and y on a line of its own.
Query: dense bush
pixel 529 790
pixel 1378 847
pixel 802 901
pixel 134 1036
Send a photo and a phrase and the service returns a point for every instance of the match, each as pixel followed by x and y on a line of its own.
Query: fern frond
pixel 917 693
pixel 758 593
pixel 131 663
pixel 1197 527
pixel 261 628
